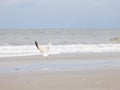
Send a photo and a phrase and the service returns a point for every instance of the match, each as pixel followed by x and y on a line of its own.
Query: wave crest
pixel 58 49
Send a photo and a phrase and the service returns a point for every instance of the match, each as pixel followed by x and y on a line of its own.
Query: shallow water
pixel 89 65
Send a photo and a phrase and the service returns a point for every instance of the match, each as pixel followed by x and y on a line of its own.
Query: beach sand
pixel 60 80
pixel 107 80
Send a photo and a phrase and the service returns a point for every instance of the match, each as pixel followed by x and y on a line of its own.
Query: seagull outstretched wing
pixel 48 47
pixel 44 51
pixel 39 48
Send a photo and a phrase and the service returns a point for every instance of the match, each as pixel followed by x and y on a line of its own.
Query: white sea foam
pixel 24 50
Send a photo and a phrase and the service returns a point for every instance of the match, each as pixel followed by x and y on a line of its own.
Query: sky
pixel 35 14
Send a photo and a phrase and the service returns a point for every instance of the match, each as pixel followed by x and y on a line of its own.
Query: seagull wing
pixel 39 48
pixel 48 47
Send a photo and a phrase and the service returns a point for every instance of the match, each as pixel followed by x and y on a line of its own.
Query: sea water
pixel 21 42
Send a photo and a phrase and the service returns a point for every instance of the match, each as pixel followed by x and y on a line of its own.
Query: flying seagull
pixel 44 51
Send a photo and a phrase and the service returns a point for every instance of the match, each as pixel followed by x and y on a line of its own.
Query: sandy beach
pixel 16 78
pixel 59 45
pixel 107 80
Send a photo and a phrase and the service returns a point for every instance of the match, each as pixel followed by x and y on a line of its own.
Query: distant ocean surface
pixel 21 42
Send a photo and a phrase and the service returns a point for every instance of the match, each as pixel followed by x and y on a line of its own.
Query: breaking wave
pixel 24 50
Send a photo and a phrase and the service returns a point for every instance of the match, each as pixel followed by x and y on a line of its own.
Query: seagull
pixel 44 51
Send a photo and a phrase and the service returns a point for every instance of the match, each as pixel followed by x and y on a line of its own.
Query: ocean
pixel 64 41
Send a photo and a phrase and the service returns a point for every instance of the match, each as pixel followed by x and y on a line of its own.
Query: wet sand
pixel 103 79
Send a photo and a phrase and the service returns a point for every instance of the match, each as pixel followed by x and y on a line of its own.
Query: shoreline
pixel 15 78
pixel 85 56
pixel 67 62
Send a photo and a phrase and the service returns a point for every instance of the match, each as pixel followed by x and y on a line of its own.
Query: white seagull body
pixel 44 51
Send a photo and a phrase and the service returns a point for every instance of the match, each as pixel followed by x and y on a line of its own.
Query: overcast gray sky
pixel 59 14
